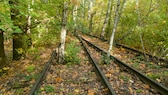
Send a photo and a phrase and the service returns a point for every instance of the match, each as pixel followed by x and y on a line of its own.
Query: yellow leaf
pixel 142 65
pixel 42 89
pixel 58 79
pixel 91 92
pixel 147 86
pixel 164 22
pixel 105 89
pixel 122 49
pixel 77 91
pixel 108 75
pixel 5 68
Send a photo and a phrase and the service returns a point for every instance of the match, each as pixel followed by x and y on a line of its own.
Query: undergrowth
pixel 71 51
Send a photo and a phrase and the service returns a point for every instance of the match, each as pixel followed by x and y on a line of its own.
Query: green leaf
pixel 18 30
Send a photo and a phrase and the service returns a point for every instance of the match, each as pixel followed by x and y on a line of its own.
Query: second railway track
pixel 157 86
pixel 135 60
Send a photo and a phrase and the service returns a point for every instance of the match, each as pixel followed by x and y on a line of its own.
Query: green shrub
pixel 49 89
pixel 71 53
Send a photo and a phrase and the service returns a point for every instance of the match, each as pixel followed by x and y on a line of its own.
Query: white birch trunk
pixel 61 57
pixel 62 45
pixel 29 16
pixel 106 20
pixel 114 28
pixel 83 9
pixel 139 26
pixel 90 8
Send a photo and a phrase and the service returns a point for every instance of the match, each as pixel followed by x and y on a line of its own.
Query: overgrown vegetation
pixel 71 52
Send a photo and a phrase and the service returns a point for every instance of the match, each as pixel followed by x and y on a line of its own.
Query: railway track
pixel 157 86
pixel 43 74
pixel 135 60
pixel 155 59
pixel 83 78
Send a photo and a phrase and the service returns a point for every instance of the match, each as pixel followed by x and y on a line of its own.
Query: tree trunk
pixel 2 52
pixel 61 57
pixel 91 21
pixel 83 8
pixel 90 8
pixel 139 24
pixel 114 29
pixel 106 20
pixel 18 50
pixel 21 41
pixel 31 3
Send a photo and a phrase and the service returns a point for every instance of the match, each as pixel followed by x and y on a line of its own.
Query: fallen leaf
pixel 42 89
pixel 108 75
pixel 58 79
pixel 130 89
pixel 91 92
pixel 142 65
pixel 5 68
pixel 122 49
pixel 105 89
pixel 111 71
pixel 76 90
pixel 147 86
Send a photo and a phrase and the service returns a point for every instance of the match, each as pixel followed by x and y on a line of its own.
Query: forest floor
pixel 19 76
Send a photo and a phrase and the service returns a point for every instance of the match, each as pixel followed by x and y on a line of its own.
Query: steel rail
pixel 39 81
pixel 159 87
pixel 140 52
pixel 104 79
pixel 152 58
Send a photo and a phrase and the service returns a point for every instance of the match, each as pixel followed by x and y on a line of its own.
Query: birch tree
pixel 139 26
pixel 90 8
pixel 83 8
pixel 114 29
pixel 31 3
pixel 90 15
pixel 106 20
pixel 61 57
pixel 75 12
pixel 91 21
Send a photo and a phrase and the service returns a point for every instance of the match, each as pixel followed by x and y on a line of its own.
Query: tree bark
pixel 91 21
pixel 90 8
pixel 83 8
pixel 139 25
pixel 31 3
pixel 114 29
pixel 106 20
pixel 2 51
pixel 61 57
pixel 18 50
